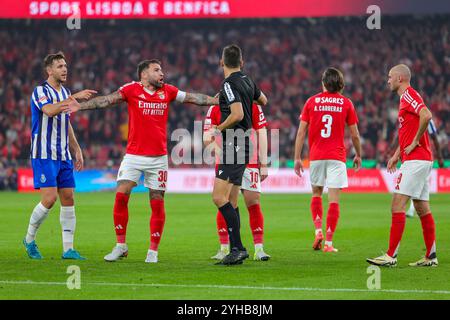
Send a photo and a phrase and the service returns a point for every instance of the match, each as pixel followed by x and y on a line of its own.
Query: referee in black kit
pixel 236 97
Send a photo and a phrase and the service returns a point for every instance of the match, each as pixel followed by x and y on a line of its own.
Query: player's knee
pixel 67 201
pixel 156 194
pixel 219 200
pixel 317 191
pixel 125 186
pixel 251 199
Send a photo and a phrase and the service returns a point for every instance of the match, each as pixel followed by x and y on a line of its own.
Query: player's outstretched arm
pixel 200 99
pixel 354 133
pixel 84 94
pixel 299 141
pixel 101 102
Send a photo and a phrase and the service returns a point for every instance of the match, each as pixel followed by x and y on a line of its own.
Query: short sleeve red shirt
pixel 408 123
pixel 148 116
pixel 327 115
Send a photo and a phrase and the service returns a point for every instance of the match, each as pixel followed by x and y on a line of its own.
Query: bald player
pixel 412 182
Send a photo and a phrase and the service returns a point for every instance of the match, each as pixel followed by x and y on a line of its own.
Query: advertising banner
pixel 279 181
pixel 192 9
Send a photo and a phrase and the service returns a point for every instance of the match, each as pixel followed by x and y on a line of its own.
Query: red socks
pixel 429 234
pixel 332 220
pixel 157 221
pixel 397 227
pixel 121 216
pixel 222 228
pixel 256 223
pixel 317 211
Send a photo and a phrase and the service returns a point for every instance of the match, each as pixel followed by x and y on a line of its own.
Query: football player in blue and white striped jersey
pixel 52 142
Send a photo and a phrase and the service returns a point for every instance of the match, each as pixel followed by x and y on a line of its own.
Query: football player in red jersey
pixel 325 116
pixel 251 182
pixel 148 106
pixel 417 161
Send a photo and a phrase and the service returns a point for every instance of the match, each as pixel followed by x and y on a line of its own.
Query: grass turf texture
pixel 185 270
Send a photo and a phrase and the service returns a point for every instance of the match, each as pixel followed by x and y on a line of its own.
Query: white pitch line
pixel 207 286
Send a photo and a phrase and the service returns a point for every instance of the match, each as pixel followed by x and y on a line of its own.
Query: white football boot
pixel 152 256
pixel 118 252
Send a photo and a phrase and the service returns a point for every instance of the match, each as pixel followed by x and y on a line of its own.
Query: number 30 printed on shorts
pixel 162 176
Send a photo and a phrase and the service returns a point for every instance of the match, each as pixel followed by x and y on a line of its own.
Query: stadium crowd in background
pixel 285 57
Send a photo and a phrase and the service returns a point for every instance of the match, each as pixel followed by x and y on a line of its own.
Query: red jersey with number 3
pixel 213 118
pixel 147 118
pixel 408 123
pixel 327 114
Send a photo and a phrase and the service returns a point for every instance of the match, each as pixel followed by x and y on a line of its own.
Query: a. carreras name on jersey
pixel 153 108
pixel 328 108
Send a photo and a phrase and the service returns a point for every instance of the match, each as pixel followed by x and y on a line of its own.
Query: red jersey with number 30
pixel 327 114
pixel 213 118
pixel 408 123
pixel 147 118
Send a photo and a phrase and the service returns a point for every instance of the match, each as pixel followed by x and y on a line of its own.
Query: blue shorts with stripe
pixel 52 173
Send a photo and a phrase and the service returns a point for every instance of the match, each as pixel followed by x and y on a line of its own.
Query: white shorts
pixel 413 178
pixel 251 180
pixel 153 168
pixel 333 172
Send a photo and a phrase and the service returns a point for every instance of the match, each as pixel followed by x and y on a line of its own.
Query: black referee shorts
pixel 231 172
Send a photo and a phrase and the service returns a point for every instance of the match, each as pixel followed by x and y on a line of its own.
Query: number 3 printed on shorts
pixel 328 120
pixel 162 176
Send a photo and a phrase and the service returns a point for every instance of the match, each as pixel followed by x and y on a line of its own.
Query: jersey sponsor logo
pixel 228 92
pixel 329 100
pixel 152 108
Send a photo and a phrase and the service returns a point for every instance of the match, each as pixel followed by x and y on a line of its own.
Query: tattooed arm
pixel 200 99
pixel 102 102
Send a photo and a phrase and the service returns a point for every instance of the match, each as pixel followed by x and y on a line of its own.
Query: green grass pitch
pixel 185 270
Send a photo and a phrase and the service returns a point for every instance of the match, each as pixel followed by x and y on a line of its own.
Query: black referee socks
pixel 232 219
